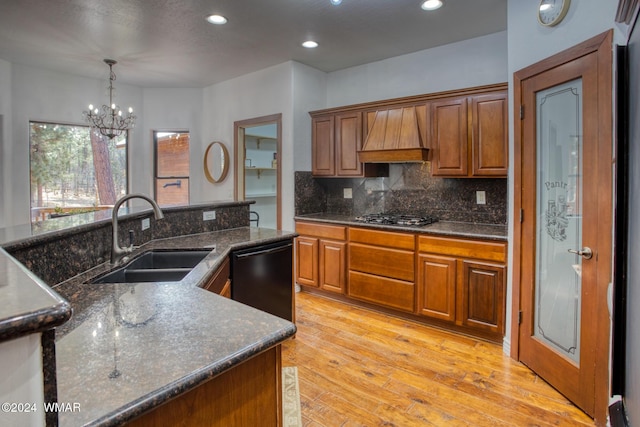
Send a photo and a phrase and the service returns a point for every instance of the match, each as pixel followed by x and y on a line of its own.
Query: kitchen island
pixel 129 348
pixel 132 350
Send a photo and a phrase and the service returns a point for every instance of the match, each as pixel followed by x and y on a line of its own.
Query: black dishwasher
pixel 261 276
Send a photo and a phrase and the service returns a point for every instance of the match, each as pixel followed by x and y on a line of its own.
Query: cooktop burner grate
pixel 396 219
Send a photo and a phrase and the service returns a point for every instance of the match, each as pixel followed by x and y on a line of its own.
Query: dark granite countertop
pixel 131 347
pixel 28 305
pixel 442 228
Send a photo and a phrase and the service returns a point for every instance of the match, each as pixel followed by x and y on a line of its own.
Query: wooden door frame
pixel 258 121
pixel 602 46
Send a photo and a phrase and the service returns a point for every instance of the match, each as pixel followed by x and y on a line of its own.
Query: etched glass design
pixel 559 213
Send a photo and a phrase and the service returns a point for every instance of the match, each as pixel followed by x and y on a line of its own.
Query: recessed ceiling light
pixel 310 44
pixel 432 4
pixel 336 2
pixel 217 19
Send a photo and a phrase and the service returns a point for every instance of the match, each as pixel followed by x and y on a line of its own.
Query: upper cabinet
pixel 469 136
pixel 336 140
pixel 463 133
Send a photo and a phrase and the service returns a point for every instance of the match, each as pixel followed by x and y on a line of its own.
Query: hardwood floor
pixel 362 368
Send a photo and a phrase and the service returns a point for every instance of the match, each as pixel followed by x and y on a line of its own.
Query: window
pixel 74 170
pixel 171 168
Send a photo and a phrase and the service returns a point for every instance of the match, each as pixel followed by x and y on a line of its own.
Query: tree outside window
pixel 74 170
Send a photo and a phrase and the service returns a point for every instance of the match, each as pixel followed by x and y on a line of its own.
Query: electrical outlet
pixel 481 197
pixel 348 193
pixel 208 215
pixel 146 223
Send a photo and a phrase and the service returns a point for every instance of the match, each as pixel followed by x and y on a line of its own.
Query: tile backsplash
pixel 409 189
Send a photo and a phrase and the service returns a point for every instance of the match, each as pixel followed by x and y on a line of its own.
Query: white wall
pixel 257 94
pixel 39 94
pixel 21 380
pixel 5 129
pixel 632 365
pixel 171 109
pixel 528 43
pixel 468 63
pixel 309 94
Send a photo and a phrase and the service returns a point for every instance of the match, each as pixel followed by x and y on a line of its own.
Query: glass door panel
pixel 559 212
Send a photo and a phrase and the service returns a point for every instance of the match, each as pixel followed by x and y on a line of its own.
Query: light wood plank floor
pixel 357 367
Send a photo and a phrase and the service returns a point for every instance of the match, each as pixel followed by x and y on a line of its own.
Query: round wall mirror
pixel 216 162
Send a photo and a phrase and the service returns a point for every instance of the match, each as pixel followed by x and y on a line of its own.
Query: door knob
pixel 585 252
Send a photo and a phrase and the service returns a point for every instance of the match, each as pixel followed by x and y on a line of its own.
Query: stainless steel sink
pixel 155 266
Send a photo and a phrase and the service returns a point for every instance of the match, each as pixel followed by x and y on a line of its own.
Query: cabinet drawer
pixel 387 262
pixel 491 251
pixel 382 238
pixel 382 290
pixel 323 231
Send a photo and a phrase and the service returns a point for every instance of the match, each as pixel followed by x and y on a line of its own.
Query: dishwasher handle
pixel 268 250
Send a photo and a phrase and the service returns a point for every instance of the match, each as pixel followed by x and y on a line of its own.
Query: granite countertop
pixel 28 305
pixel 442 228
pixel 131 347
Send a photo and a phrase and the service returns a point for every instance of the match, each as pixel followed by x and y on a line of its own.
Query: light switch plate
pixel 146 223
pixel 208 215
pixel 348 193
pixel 481 197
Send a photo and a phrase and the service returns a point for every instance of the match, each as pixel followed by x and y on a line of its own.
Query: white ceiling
pixel 168 43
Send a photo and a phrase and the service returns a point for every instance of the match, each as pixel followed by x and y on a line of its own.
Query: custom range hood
pixel 396 135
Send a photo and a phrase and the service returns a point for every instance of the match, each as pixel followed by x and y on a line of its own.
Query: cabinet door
pixel 307 261
pixel 323 147
pixel 483 296
pixel 348 140
pixel 449 139
pixel 489 147
pixel 437 287
pixel 219 283
pixel 333 270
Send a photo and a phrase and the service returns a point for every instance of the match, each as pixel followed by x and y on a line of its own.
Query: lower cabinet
pixel 220 283
pixel 463 282
pixel 442 280
pixel 249 394
pixel 321 255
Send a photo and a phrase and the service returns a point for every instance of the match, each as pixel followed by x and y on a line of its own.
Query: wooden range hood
pixel 396 135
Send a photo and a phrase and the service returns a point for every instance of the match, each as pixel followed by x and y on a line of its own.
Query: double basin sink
pixel 156 266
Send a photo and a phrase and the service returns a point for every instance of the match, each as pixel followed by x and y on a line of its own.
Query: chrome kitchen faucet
pixel 116 251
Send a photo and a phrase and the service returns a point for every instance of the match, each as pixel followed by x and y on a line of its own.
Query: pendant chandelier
pixel 109 120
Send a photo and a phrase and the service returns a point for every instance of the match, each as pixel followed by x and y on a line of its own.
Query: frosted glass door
pixel 559 213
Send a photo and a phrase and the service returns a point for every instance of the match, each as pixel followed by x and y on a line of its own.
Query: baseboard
pixel 617 416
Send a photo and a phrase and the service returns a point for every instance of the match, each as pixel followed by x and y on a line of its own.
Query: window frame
pixel 51 122
pixel 155 133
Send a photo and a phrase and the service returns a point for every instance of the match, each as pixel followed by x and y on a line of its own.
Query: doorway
pixel 563 241
pixel 258 147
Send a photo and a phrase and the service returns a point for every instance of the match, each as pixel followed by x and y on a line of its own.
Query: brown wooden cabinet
pixel 470 136
pixel 249 394
pixel 335 141
pixel 220 283
pixel 437 287
pixel 321 254
pixel 323 146
pixel 452 282
pixel 462 281
pixel 381 268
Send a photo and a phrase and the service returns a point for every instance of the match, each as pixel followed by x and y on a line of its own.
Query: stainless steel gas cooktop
pixel 396 219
